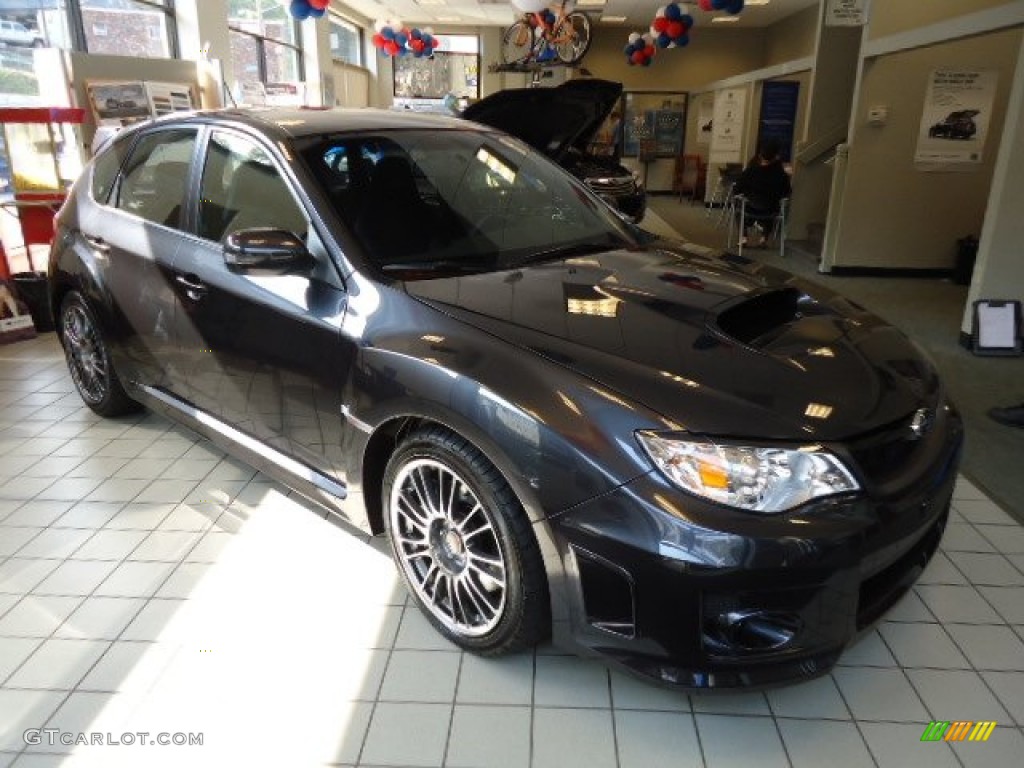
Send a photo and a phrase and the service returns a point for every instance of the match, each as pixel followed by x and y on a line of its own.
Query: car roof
pixel 296 122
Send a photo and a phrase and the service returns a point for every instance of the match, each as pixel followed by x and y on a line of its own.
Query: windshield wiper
pixel 476 264
pixel 568 251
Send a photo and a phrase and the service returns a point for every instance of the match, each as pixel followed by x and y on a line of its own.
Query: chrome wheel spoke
pixel 86 358
pixel 447 545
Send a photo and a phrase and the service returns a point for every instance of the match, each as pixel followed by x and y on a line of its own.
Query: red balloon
pixel 705 5
pixel 319 4
pixel 391 47
pixel 637 57
pixel 660 23
pixel 649 51
pixel 378 41
pixel 434 42
pixel 675 29
pixel 416 45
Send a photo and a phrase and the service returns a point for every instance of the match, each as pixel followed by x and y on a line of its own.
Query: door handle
pixel 98 244
pixel 193 286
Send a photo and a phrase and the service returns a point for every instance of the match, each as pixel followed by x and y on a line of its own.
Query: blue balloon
pixel 663 40
pixel 682 41
pixel 387 33
pixel 415 34
pixel 628 49
pixel 316 13
pixel 687 20
pixel 402 39
pixel 735 7
pixel 300 9
pixel 719 5
pixel 672 12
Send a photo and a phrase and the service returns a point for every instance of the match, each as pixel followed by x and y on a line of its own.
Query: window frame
pixel 79 40
pixel 261 49
pixel 335 18
pixel 478 56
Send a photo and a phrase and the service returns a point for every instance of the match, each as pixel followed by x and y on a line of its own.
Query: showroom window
pixel 346 41
pixel 140 28
pixel 153 183
pixel 454 70
pixel 264 42
pixel 242 189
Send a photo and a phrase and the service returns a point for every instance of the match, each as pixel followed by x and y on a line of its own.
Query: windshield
pixel 425 203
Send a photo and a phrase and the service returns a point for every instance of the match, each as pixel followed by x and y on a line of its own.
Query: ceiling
pixel 638 13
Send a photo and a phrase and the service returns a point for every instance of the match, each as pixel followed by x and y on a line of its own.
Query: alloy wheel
pixel 86 355
pixel 448 547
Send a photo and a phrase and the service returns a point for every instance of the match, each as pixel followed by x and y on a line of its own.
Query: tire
pixel 517 43
pixel 486 591
pixel 572 36
pixel 89 361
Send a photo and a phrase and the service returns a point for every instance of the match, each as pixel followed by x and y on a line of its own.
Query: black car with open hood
pixel 562 122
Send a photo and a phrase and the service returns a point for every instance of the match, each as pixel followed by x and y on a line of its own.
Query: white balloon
pixel 660 11
pixel 672 45
pixel 427 30
pixel 648 38
pixel 634 36
pixel 530 6
pixel 379 24
pixel 654 32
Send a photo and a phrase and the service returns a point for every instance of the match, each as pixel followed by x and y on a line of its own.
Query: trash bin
pixel 32 289
pixel 966 255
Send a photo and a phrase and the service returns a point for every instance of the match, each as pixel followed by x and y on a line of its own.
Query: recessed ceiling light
pixel 724 19
pixel 449 18
pixel 590 3
pixel 757 2
pixel 613 19
pixel 431 2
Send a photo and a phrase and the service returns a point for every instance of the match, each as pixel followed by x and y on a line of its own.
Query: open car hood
pixel 551 120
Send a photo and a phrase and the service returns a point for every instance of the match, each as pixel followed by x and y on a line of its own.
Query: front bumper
pixel 696 595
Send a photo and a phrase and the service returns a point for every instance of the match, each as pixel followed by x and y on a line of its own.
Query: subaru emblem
pixel 920 423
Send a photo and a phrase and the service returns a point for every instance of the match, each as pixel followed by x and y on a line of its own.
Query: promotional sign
pixel 727 128
pixel 955 119
pixel 705 122
pixel 118 103
pixel 846 13
pixel 778 115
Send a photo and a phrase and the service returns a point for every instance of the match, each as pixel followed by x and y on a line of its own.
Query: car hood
pixel 723 349
pixel 551 120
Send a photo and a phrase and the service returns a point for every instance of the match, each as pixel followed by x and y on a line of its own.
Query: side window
pixel 105 168
pixel 242 189
pixel 153 183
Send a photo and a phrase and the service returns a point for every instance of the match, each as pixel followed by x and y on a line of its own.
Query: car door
pixel 134 235
pixel 264 353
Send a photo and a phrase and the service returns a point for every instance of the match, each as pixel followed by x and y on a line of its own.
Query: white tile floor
pixel 149 584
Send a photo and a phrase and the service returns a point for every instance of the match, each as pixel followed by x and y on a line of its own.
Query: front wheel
pixel 464 545
pixel 571 38
pixel 89 359
pixel 517 43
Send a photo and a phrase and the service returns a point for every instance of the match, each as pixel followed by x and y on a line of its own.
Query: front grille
pixel 884 455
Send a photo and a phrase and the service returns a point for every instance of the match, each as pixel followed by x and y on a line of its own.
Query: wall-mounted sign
pixel 846 13
pixel 779 100
pixel 727 128
pixel 705 121
pixel 955 119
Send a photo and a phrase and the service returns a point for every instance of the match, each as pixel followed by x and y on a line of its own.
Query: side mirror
pixel 265 250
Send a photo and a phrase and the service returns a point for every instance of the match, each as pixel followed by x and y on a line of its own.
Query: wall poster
pixel 954 122
pixel 778 115
pixel 846 13
pixel 727 126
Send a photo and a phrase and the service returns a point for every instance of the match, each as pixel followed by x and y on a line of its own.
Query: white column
pixel 203 28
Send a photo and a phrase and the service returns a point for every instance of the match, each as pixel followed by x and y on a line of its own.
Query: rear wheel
pixel 517 43
pixel 89 359
pixel 464 545
pixel 572 38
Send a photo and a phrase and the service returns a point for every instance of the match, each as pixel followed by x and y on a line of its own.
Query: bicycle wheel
pixel 517 43
pixel 571 37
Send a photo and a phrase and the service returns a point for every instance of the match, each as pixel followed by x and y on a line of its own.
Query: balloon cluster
pixel 671 26
pixel 308 9
pixel 395 40
pixel 639 50
pixel 729 6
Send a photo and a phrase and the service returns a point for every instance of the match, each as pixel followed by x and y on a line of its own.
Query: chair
pixel 395 222
pixel 689 176
pixel 722 193
pixel 742 215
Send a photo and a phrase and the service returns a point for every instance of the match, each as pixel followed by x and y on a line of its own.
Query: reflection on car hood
pixel 551 120
pixel 722 349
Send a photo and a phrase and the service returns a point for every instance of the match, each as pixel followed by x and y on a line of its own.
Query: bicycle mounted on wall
pixel 544 39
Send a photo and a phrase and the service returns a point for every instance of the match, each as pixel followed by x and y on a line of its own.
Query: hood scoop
pixel 756 321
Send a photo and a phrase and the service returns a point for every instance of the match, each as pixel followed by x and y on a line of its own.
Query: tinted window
pixel 105 168
pixel 153 183
pixel 242 189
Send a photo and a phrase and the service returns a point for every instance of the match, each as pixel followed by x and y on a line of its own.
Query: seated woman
pixel 764 183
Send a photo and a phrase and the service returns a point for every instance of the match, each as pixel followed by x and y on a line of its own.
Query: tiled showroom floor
pixel 148 584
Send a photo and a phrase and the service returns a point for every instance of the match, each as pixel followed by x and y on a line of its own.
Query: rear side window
pixel 153 183
pixel 105 168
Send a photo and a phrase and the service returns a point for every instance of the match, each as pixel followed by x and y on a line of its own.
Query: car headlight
pixel 753 478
